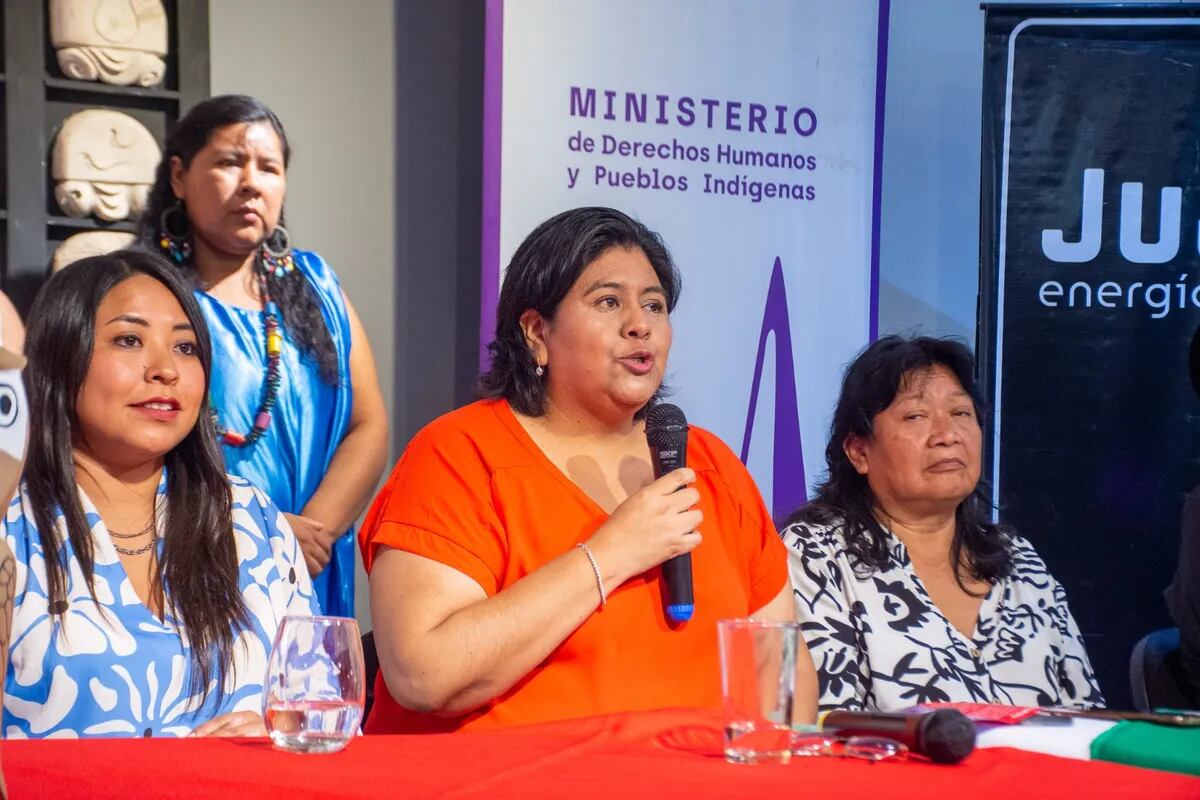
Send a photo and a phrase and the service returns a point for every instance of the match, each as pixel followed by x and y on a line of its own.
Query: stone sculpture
pixel 114 41
pixel 88 243
pixel 103 163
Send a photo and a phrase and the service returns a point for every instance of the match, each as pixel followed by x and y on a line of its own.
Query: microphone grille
pixel 947 736
pixel 666 426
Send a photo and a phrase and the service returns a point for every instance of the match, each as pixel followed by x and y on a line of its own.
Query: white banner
pixel 745 133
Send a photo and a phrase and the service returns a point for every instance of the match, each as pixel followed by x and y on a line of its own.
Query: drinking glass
pixel 314 694
pixel 758 688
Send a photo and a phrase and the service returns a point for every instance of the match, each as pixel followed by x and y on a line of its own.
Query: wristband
pixel 587 551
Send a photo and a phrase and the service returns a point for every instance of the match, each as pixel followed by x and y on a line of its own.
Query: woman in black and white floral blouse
pixel 906 591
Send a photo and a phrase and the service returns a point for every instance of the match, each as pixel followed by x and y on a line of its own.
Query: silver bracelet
pixel 587 551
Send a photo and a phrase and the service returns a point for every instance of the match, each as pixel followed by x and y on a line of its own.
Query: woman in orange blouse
pixel 514 552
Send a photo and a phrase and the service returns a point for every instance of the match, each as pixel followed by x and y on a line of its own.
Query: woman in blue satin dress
pixel 294 388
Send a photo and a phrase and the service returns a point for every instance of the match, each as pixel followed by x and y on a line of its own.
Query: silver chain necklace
pixel 136 551
pixel 116 535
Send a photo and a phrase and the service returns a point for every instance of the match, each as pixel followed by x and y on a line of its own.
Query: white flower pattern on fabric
pixel 110 667
pixel 878 641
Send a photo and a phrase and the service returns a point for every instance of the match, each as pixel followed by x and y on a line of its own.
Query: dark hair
pixel 199 562
pixel 540 275
pixel 297 301
pixel 869 386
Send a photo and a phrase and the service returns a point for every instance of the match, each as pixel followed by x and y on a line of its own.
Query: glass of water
pixel 758 688
pixel 313 701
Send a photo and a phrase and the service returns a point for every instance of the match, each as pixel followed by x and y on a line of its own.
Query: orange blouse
pixel 474 492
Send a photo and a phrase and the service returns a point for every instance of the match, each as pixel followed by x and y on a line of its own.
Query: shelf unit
pixel 37 97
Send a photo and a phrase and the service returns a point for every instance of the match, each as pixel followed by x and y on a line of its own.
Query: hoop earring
pixel 176 245
pixel 278 259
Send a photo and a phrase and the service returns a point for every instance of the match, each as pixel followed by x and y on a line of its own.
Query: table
pixel 659 754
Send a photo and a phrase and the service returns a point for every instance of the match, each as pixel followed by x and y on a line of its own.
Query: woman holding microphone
pixel 513 552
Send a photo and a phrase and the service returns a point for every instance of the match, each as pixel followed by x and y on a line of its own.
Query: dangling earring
pixel 540 371
pixel 173 228
pixel 278 258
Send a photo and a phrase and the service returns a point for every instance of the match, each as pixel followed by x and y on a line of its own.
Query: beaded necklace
pixel 274 344
pixel 281 264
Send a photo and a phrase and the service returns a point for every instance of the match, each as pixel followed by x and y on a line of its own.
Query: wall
pixel 929 231
pixel 439 207
pixel 327 69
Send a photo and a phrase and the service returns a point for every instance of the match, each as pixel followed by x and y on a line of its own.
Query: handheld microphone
pixel 667 434
pixel 946 736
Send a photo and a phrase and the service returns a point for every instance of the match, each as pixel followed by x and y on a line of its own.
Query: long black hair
pixel 199 567
pixel 297 301
pixel 869 386
pixel 540 275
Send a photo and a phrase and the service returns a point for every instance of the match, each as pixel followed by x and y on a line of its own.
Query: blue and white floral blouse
pixel 123 672
pixel 878 640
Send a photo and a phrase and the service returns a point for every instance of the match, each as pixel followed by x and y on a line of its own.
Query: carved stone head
pixel 103 163
pixel 88 243
pixel 114 41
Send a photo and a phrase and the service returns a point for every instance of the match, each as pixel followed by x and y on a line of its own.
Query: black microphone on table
pixel 667 435
pixel 945 735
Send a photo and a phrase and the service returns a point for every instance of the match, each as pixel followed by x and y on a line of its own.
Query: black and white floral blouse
pixel 879 642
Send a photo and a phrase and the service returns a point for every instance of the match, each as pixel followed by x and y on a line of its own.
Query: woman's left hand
pixel 235 723
pixel 316 542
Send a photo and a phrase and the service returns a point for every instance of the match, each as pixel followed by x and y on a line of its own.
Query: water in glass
pixel 312 726
pixel 315 686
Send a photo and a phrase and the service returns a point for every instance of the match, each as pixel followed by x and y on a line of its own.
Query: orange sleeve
pixel 437 503
pixel 763 549
pixel 767 557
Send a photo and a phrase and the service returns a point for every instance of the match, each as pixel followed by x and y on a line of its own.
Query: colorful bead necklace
pixel 274 343
pixel 281 264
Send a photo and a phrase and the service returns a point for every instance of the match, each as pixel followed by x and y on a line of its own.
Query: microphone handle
pixel 677 576
pixel 679 598
pixel 902 728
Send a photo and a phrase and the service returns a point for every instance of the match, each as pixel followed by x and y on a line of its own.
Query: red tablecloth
pixel 660 755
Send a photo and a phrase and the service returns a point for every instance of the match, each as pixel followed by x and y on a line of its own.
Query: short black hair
pixel 540 275
pixel 870 385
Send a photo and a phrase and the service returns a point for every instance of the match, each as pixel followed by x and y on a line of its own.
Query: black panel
pixel 1099 426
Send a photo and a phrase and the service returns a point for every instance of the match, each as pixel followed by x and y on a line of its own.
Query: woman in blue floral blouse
pixel 149 585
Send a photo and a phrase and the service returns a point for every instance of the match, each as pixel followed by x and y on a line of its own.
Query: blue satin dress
pixel 308 422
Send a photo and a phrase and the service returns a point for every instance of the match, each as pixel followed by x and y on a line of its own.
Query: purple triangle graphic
pixel 788 487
